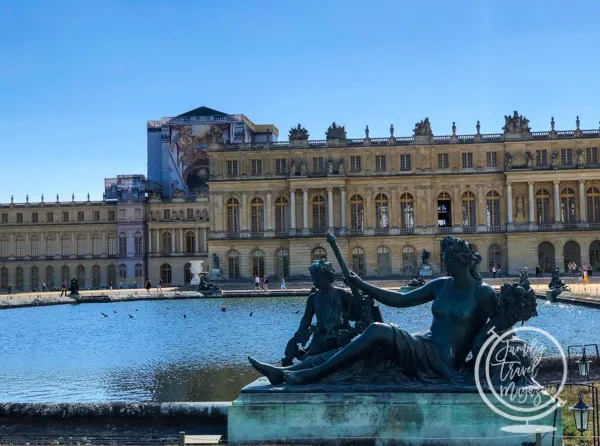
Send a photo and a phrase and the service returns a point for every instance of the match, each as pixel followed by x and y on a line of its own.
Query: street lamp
pixel 584 366
pixel 581 413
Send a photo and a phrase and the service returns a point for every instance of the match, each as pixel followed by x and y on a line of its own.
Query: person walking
pixel 494 271
pixel 265 283
pixel 110 284
pixel 148 285
pixel 586 280
pixel 282 286
pixel 159 287
pixel 256 283
pixel 499 271
pixel 63 289
pixel 43 286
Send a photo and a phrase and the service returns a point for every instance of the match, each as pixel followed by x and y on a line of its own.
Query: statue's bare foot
pixel 274 374
pixel 300 377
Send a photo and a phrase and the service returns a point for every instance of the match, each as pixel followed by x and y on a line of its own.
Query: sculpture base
pixel 215 275
pixel 426 271
pixel 373 415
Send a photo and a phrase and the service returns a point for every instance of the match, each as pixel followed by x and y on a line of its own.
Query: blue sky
pixel 79 79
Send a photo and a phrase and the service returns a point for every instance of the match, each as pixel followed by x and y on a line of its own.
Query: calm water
pixel 74 353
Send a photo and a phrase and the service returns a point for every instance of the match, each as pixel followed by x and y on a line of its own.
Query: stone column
pixel 205 240
pixel 149 242
pixel 509 203
pixel 180 240
pixel 556 199
pixel 530 203
pixel 343 208
pixel 392 218
pixel 244 212
pixel 104 243
pixel 582 213
pixel 293 209
pixel 269 213
pixel 196 240
pixel 172 241
pixel 157 236
pixel 305 210
pixel 330 207
pixel 220 214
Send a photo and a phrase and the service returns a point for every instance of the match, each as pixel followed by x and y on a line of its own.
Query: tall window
pixel 358 261
pixel 112 244
pixel 50 277
pixel 541 157
pixel 468 208
pixel 592 155
pixel 167 239
pixel 467 159
pixel 80 216
pixel 233 215
pixel 65 274
pixel 19 217
pixel 81 276
pixel 357 213
pixel 50 245
pixel 19 277
pixel 280 166
pixel 592 197
pixel 49 217
pixel 383 261
pixel 122 244
pixel 257 215
pixel 491 159
pixel 65 245
pixel 318 164
pixel 65 216
pixel 405 163
pixel 567 206
pixel 542 207
pixel 494 256
pixel 380 165
pixel 281 214
pixel 122 272
pixel 34 217
pixel 443 161
pixel 4 246
pixel 232 168
pixel 493 208
pixel 382 211
pixel 138 244
pixel 111 274
pixel 19 246
pixel 190 242
pixel 318 254
pixel 256 167
pixel 96 245
pixel 35 277
pixel 112 216
pixel 166 274
pixel 35 246
pixel 258 263
pixel 81 242
pixel 95 276
pixel 187 273
pixel 4 277
pixel 319 205
pixel 233 264
pixel 408 261
pixel 406 211
pixel 282 259
pixel 566 157
pixel 139 273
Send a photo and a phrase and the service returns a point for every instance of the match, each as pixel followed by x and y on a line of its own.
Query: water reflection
pixel 73 353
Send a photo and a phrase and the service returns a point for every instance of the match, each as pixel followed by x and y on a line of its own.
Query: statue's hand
pixel 353 279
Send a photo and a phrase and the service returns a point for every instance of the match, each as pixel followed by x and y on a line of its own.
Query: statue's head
pixel 322 273
pixel 459 255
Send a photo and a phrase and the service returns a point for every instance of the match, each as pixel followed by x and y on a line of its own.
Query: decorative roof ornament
pixel 57 200
pixel 423 128
pixel 478 127
pixel 516 123
pixel 88 197
pixel 298 134
pixel 73 198
pixel 577 122
pixel 367 132
pixel 12 199
pixel 552 123
pixel 27 198
pixel 336 132
pixel 42 198
pixel 391 130
pixel 453 128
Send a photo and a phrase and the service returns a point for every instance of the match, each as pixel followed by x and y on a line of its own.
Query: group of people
pixel 496 271
pixel 262 283
pixel 149 285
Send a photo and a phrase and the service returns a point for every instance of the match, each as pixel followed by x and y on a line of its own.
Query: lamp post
pixel 581 414
pixel 584 366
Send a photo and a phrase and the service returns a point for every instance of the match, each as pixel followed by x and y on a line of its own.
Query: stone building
pixel 521 197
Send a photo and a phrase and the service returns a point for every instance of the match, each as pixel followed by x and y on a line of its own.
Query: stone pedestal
pixel 373 415
pixel 426 271
pixel 215 275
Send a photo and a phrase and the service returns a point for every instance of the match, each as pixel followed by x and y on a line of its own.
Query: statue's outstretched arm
pixel 308 314
pixel 391 298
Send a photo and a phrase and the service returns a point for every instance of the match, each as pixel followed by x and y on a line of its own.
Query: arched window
pixel 190 242
pixel 4 277
pixel 123 244
pixel 468 209
pixel 592 197
pixel 139 274
pixel 122 272
pixel 19 246
pixel 318 254
pixel 492 210
pixel 382 211
pixel 111 274
pixel 35 278
pixel 96 245
pixel 138 244
pixel 233 215
pixel 494 257
pixel 567 206
pixel 166 274
pixel 444 209
pixel 258 263
pixel 81 276
pixel 358 261
pixel 50 277
pixel 4 246
pixel 112 245
pixel 257 215
pixel 35 246
pixel 233 264
pixel 95 276
pixel 187 273
pixel 65 275
pixel 50 246
pixel 282 219
pixel 19 278
pixel 595 255
pixel 407 213
pixel 543 210
pixel 282 259
pixel 65 245
pixel 571 253
pixel 408 261
pixel 319 208
pixel 167 240
pixel 357 213
pixel 81 248
pixel 546 256
pixel 383 261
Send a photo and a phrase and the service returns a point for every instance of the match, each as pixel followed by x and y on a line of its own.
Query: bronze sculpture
pixel 464 310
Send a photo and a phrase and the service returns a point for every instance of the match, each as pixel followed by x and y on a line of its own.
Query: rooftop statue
pixel 423 128
pixel 298 134
pixel 336 132
pixel 516 124
pixel 464 311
